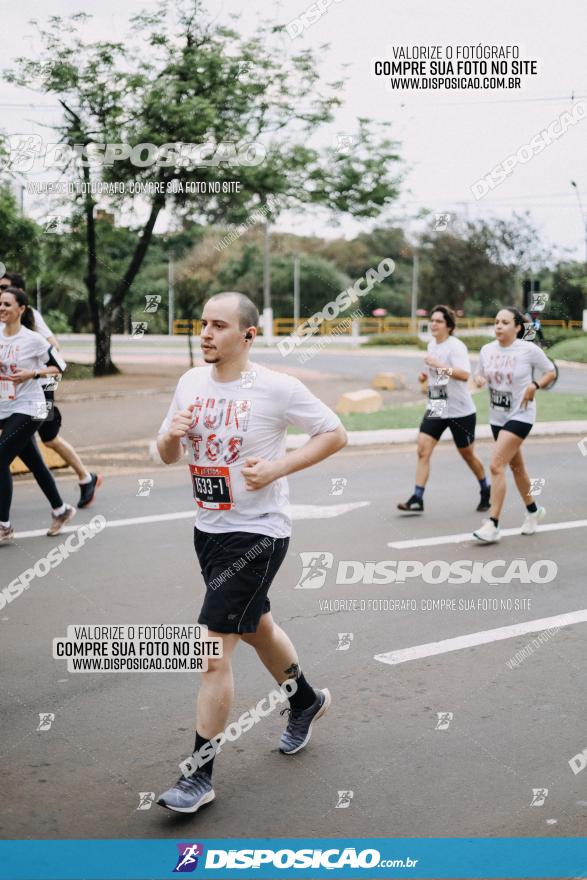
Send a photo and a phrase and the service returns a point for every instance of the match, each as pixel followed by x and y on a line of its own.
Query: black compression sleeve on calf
pixel 209 765
pixel 304 696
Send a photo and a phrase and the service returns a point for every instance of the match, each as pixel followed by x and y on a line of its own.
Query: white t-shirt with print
pixel 26 350
pixel 452 352
pixel 509 372
pixel 41 325
pixel 233 421
pixel 43 328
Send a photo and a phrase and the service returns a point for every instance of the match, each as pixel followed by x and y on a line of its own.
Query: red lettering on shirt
pixel 234 445
pixel 219 413
pixel 213 447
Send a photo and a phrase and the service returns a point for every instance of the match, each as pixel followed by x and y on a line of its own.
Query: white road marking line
pixel 324 511
pixel 481 638
pixel 468 536
pixel 297 512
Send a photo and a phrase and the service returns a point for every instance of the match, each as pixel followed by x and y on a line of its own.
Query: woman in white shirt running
pixel 450 406
pixel 23 358
pixel 507 366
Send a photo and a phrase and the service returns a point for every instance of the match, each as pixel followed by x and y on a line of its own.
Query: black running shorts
pixel 520 429
pixel 50 427
pixel 462 429
pixel 238 569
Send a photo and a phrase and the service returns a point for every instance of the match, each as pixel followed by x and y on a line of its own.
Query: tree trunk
pixel 103 365
pixel 112 314
pixel 136 260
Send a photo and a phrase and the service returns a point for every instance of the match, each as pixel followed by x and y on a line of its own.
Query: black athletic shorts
pixel 50 427
pixel 520 429
pixel 462 429
pixel 238 568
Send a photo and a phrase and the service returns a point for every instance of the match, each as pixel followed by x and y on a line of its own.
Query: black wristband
pixel 534 382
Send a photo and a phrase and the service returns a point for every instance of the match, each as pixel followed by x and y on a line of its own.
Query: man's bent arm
pixel 170 448
pixel 316 449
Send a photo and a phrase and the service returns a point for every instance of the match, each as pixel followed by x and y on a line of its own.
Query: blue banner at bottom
pixel 370 858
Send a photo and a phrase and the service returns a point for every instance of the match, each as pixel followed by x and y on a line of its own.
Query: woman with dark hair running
pixel 24 356
pixel 450 406
pixel 506 366
pixel 49 430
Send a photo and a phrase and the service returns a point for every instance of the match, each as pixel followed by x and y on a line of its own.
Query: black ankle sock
pixel 531 508
pixel 305 695
pixel 209 765
pixel 484 485
pixel 494 521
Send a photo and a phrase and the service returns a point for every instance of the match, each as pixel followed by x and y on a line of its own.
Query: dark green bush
pixel 395 339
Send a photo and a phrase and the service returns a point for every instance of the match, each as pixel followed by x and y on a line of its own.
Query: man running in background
pixel 232 417
pixel 49 429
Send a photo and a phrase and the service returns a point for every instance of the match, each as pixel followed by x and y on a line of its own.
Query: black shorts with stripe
pixel 238 569
pixel 462 428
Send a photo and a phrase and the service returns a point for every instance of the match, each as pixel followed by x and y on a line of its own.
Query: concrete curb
pixel 395 436
pixel 385 437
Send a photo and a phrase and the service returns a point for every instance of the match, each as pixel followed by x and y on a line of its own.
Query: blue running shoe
pixel 299 727
pixel 189 793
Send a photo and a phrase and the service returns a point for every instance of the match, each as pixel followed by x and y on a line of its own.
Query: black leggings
pixel 18 439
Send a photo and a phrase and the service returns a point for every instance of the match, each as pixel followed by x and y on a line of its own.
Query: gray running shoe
pixel 188 794
pixel 299 727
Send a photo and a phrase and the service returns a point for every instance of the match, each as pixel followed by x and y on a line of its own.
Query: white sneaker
pixel 488 533
pixel 531 521
pixel 6 534
pixel 57 522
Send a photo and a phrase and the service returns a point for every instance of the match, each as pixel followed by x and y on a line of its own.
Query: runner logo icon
pixel 344 641
pixel 539 795
pixel 314 567
pixel 187 860
pixel 344 799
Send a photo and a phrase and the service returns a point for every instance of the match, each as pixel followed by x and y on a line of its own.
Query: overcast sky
pixel 449 139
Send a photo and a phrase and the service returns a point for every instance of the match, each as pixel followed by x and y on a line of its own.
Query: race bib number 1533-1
pixel 212 489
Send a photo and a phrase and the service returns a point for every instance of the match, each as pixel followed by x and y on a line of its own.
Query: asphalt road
pixel 114 735
pixel 365 364
pixel 354 364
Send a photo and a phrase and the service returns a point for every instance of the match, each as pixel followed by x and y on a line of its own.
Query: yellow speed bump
pixel 52 460
pixel 389 381
pixel 364 401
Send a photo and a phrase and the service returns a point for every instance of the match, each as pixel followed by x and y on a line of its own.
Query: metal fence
pixel 367 326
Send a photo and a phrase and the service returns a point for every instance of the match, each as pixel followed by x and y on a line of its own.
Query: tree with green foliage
pixel 178 78
pixel 567 297
pixel 478 265
pixel 19 236
pixel 206 270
